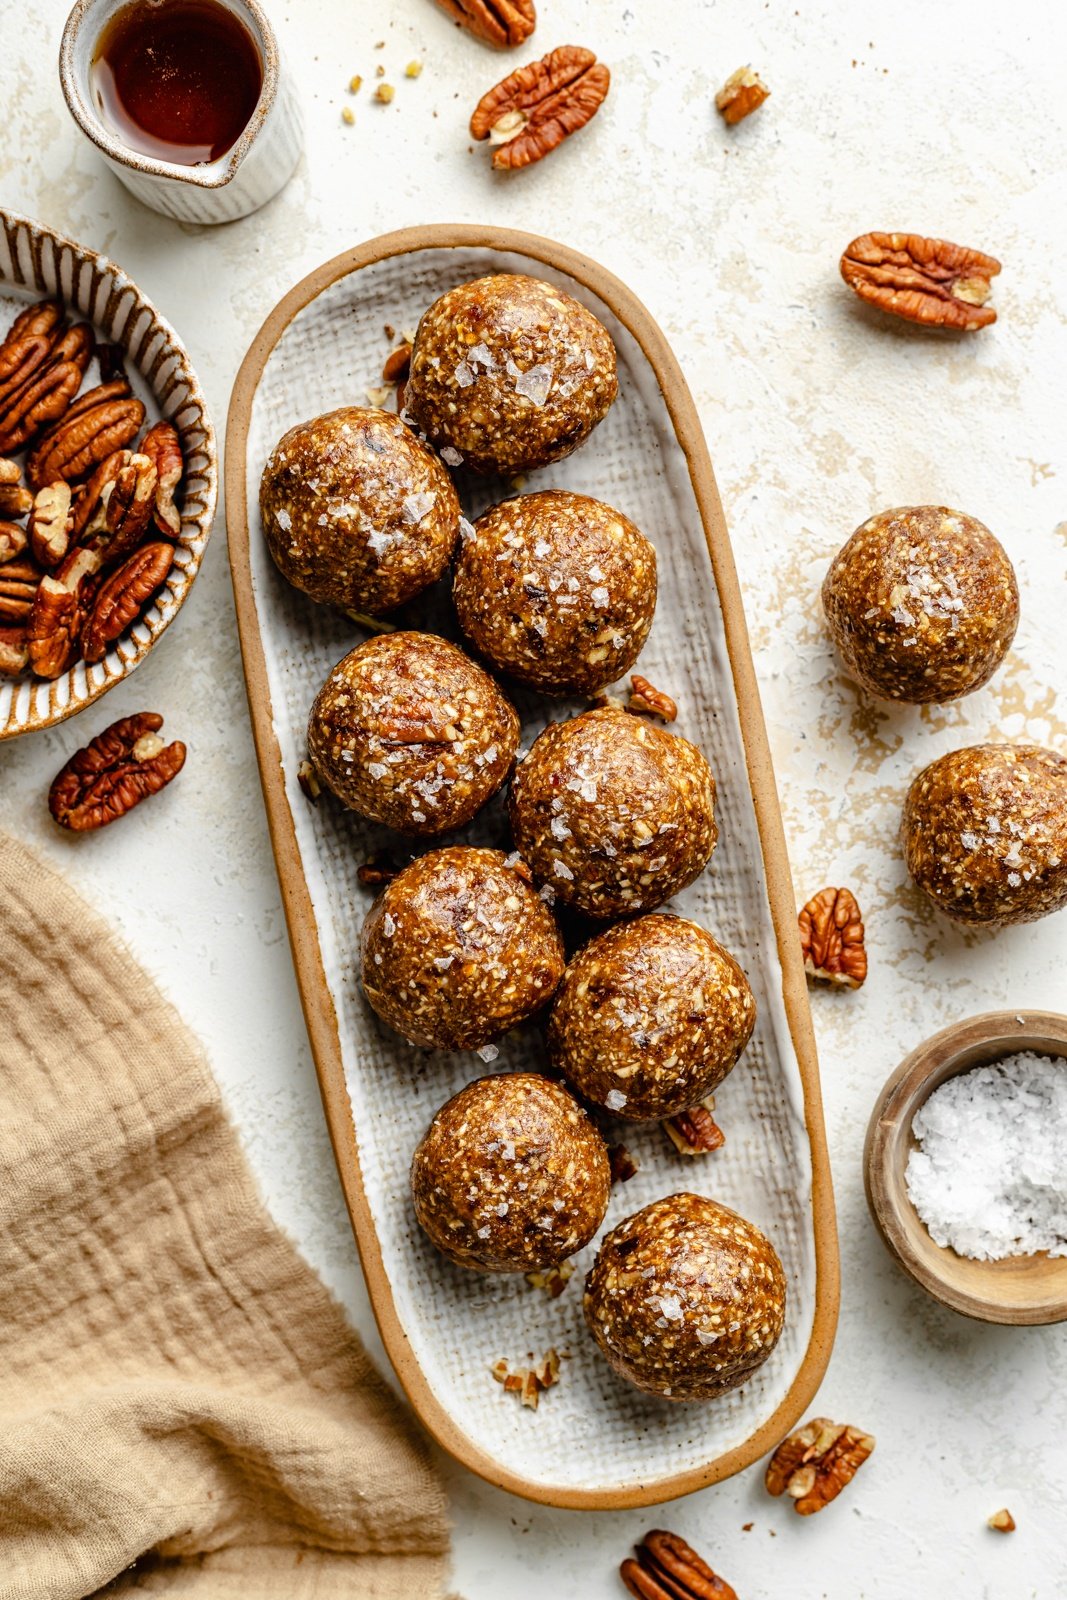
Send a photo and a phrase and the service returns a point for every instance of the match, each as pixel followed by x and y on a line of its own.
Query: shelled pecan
pixel 922 280
pixel 832 938
pixel 535 108
pixel 51 524
pixel 529 1383
pixel 19 580
pixel 27 344
pixel 91 497
pixel 100 422
pixel 815 1463
pixel 15 498
pixel 116 771
pixel 397 363
pixel 129 501
pixel 622 1163
pixel 743 92
pixel 503 23
pixel 60 607
pixel 695 1132
pixel 667 1568
pixel 646 700
pixel 123 595
pixel 13 542
pixel 163 448
pixel 14 655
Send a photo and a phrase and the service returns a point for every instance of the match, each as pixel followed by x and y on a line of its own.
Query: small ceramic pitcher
pixel 242 180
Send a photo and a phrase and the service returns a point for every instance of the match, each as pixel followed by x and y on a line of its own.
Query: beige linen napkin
pixel 183 1407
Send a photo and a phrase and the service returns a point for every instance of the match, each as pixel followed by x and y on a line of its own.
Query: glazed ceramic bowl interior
pixel 1018 1289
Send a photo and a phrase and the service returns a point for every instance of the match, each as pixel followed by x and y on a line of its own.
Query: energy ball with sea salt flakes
pixel 458 949
pixel 650 1017
pixel 509 374
pixel 613 814
pixel 408 731
pixel 985 833
pixel 686 1299
pixel 557 590
pixel 922 604
pixel 511 1176
pixel 356 512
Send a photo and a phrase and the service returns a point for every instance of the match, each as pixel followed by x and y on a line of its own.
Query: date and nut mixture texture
pixel 512 1175
pixel 686 1299
pixel 985 833
pixel 612 813
pixel 356 512
pixel 557 590
pixel 458 948
pixel 650 1017
pixel 408 731
pixel 509 374
pixel 922 604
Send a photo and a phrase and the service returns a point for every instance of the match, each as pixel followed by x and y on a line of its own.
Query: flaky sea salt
pixel 614 1099
pixel 989 1178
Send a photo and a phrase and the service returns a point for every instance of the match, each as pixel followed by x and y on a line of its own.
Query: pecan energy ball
pixel 408 731
pixel 508 374
pixel 922 604
pixel 686 1299
pixel 511 1175
pixel 616 815
pixel 357 512
pixel 458 949
pixel 557 590
pixel 650 1017
pixel 985 833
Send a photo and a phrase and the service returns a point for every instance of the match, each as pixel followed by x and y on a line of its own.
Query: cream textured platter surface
pixel 594 1440
pixel 37 264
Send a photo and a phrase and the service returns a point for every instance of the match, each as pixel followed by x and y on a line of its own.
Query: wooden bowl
pixel 1018 1290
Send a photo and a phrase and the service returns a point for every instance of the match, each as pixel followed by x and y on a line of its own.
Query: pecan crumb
pixel 384 93
pixel 413 69
pixel 553 1280
pixel 742 93
pixel 815 1463
pixel 529 1383
pixel 348 116
pixel 832 938
pixel 308 779
pixel 695 1132
pixel 1002 1522
pixel 622 1163
pixel 645 700
pixel 667 1568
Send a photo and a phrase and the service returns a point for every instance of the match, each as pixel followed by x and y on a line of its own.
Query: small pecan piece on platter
pixel 529 1383
pixel 695 1132
pixel 815 1463
pixel 163 448
pixel 667 1568
pixel 832 938
pixel 19 580
pixel 623 1164
pixel 646 700
pixel 122 596
pixel 535 108
pixel 922 280
pixel 60 607
pixel 504 23
pixel 743 92
pixel 116 771
pixel 51 524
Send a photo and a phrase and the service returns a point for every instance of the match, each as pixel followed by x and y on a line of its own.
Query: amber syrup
pixel 177 80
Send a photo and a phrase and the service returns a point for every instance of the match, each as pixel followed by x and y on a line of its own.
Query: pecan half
pixel 667 1568
pixel 13 542
pixel 122 596
pixel 27 346
pixel 922 280
pixel 19 580
pixel 831 937
pixel 814 1464
pixel 504 23
pixel 743 92
pixel 42 400
pixel 100 422
pixel 90 499
pixel 695 1132
pixel 59 610
pixel 50 525
pixel 14 655
pixel 116 771
pixel 128 502
pixel 164 450
pixel 536 107
pixel 645 700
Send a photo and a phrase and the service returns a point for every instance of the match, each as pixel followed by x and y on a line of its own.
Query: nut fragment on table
pixel 743 92
pixel 832 938
pixel 667 1568
pixel 503 23
pixel 532 111
pixel 923 280
pixel 1001 1521
pixel 646 700
pixel 815 1463
pixel 116 771
pixel 529 1383
pixel 553 1280
pixel 695 1132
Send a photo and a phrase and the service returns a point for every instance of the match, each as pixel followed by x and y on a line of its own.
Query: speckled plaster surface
pixel 818 414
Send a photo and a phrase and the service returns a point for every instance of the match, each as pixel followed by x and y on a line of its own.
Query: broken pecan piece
pixel 128 502
pixel 1001 1521
pixel 19 580
pixel 645 700
pixel 814 1464
pixel 831 937
pixel 14 655
pixel 397 364
pixel 100 422
pixel 59 610
pixel 529 1383
pixel 667 1568
pixel 116 771
pixel 13 542
pixel 50 525
pixel 623 1165
pixel 122 596
pixel 552 1280
pixel 743 92
pixel 695 1132
pixel 90 499
pixel 163 448
pixel 535 108
pixel 504 23
pixel 15 499
pixel 922 280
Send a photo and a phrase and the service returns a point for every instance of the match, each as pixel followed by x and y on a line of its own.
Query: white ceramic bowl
pixel 35 264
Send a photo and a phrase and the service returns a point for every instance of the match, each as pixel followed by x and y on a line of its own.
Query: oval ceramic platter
pixel 38 264
pixel 594 1441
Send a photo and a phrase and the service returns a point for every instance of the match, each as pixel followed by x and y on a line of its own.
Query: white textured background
pixel 942 119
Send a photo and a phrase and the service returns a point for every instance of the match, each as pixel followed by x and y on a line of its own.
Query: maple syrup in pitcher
pixel 177 80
